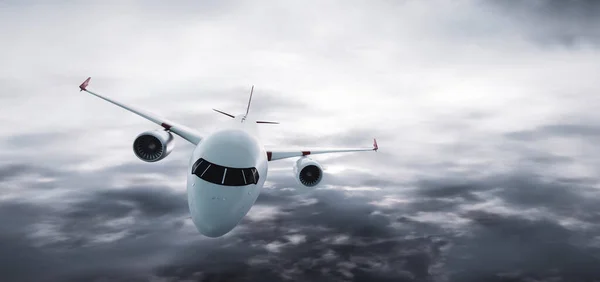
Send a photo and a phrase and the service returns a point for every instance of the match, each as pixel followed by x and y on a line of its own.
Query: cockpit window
pixel 226 176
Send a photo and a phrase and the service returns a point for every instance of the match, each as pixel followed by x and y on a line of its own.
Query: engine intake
pixel 308 172
pixel 152 146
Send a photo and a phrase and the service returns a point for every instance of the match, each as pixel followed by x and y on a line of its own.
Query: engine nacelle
pixel 308 172
pixel 152 146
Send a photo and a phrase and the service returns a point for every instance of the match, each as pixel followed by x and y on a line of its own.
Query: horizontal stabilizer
pixel 229 115
pixel 270 122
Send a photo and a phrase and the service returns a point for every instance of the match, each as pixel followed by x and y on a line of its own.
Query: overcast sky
pixel 485 113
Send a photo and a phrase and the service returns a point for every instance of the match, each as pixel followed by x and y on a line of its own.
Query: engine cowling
pixel 308 172
pixel 152 146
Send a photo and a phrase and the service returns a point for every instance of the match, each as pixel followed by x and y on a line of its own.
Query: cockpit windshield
pixel 222 175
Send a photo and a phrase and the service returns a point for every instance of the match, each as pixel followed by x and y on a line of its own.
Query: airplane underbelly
pixel 216 209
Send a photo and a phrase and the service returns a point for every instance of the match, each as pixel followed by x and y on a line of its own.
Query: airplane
pixel 228 166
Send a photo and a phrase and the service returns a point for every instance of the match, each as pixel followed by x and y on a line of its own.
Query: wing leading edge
pixel 284 154
pixel 184 132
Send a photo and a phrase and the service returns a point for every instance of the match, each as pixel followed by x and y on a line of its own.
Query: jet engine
pixel 308 172
pixel 152 146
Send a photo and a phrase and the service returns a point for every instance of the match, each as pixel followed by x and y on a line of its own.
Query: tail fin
pixel 249 101
pixel 247 110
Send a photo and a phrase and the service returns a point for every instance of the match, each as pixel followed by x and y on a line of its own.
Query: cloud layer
pixel 485 113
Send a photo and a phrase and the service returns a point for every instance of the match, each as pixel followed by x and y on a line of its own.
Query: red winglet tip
pixel 375 147
pixel 84 85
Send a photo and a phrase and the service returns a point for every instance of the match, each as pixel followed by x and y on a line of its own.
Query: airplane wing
pixel 273 155
pixel 184 132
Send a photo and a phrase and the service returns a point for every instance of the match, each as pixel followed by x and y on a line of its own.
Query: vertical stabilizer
pixel 249 101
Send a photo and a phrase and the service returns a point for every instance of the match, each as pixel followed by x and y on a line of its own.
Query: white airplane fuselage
pixel 216 208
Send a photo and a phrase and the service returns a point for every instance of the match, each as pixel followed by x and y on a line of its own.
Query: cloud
pixel 557 130
pixel 550 22
pixel 484 113
pixel 11 171
pixel 311 233
pixel 518 248
pixel 137 218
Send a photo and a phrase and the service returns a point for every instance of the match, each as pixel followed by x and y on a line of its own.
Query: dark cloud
pixel 12 171
pixel 440 190
pixel 324 241
pixel 573 10
pixel 148 201
pixel 586 131
pixel 510 248
pixel 566 197
pixel 142 232
pixel 23 262
pixel 552 22
pixel 89 235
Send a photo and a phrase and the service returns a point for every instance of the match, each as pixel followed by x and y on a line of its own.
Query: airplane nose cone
pixel 215 209
pixel 214 231
pixel 212 226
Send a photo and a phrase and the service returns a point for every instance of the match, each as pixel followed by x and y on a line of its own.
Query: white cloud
pixel 296 238
pixel 412 68
pixel 262 212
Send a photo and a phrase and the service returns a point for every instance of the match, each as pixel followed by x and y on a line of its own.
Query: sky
pixel 485 113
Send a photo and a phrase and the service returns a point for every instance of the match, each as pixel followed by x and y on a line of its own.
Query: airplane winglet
pixel 375 147
pixel 84 85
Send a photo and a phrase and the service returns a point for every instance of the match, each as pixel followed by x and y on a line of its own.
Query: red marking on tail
pixel 304 153
pixel 84 84
pixel 375 147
